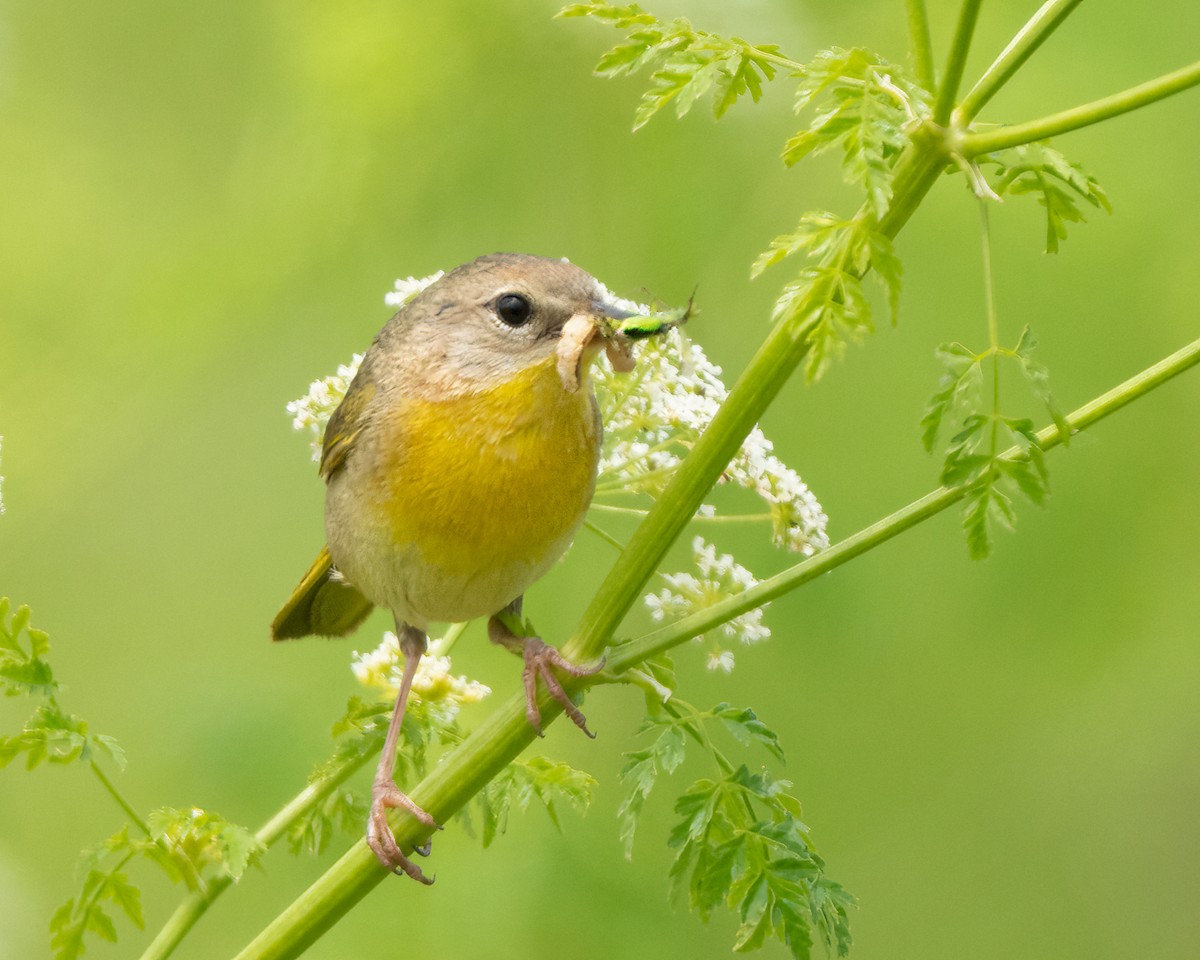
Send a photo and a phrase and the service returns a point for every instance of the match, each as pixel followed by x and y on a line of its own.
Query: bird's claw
pixel 540 661
pixel 381 840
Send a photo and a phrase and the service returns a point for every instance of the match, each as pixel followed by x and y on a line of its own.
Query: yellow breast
pixel 493 478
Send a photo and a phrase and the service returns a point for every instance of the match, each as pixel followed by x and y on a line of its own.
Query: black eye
pixel 513 309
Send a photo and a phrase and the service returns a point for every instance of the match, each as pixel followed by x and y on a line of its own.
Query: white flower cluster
pixel 409 287
pixel 720 577
pixel 655 415
pixel 312 411
pixel 433 684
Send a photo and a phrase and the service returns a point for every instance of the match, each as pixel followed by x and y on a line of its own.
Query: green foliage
pixel 971 460
pixel 86 913
pixel 23 667
pixel 189 845
pixel 206 843
pixel 863 107
pixel 739 842
pixel 1040 171
pixel 826 303
pixel 50 734
pixel 521 782
pixel 689 63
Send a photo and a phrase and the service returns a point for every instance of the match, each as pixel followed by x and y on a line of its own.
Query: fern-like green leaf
pixel 863 107
pixel 1040 171
pixel 687 63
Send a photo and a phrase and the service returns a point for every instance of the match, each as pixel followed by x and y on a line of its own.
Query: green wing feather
pixel 322 604
pixel 347 421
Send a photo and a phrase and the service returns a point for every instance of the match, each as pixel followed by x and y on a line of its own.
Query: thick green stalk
pixel 1021 48
pixel 957 61
pixel 1134 98
pixel 922 45
pixel 637 651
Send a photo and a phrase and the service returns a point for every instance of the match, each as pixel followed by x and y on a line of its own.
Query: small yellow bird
pixel 459 467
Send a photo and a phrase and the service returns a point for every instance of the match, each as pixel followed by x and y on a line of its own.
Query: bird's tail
pixel 322 604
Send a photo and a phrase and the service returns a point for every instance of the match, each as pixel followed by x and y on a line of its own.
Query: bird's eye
pixel 513 309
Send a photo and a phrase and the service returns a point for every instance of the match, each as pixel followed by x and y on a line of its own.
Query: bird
pixel 458 469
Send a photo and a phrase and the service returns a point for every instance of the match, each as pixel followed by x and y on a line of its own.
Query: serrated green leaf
pixel 862 108
pixel 740 73
pixel 888 269
pixel 126 896
pixel 984 506
pixel 818 234
pixel 747 728
pixel 696 808
pixel 619 16
pixel 1028 479
pixel 66 939
pixel 629 57
pixel 955 389
pixel 755 916
pixel 1040 171
pixel 792 925
pixel 1038 378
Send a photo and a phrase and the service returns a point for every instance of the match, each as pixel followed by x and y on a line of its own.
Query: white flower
pixel 433 684
pixel 720 577
pixel 312 411
pixel 722 660
pixel 655 415
pixel 409 287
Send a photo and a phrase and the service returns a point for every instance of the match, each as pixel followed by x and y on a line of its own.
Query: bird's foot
pixel 540 661
pixel 385 796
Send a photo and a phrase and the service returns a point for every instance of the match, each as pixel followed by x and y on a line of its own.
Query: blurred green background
pixel 203 206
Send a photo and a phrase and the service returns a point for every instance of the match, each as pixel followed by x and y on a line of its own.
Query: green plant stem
pixel 196 904
pixel 988 141
pixel 664 638
pixel 120 800
pixel 1022 46
pixel 604 535
pixel 993 325
pixel 956 62
pixel 922 45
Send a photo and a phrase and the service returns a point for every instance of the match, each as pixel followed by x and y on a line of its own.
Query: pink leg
pixel 385 794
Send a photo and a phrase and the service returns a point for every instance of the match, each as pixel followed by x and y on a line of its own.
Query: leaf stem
pixel 957 61
pixel 922 45
pixel 673 634
pixel 993 326
pixel 1022 46
pixel 988 141
pixel 120 800
pixel 604 535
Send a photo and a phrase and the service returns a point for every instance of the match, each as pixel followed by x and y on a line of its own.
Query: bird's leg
pixel 540 659
pixel 384 792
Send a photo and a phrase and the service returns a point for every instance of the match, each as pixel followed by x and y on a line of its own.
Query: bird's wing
pixel 347 421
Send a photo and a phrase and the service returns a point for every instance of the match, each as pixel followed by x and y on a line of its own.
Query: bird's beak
pixel 583 336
